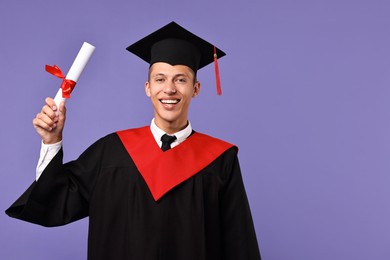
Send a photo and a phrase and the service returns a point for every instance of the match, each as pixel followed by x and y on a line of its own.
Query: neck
pixel 171 128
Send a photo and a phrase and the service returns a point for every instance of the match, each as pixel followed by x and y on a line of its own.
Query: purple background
pixel 306 99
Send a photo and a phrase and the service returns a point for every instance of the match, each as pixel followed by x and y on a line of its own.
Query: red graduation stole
pixel 162 171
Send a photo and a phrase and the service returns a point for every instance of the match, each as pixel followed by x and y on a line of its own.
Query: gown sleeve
pixel 239 236
pixel 61 194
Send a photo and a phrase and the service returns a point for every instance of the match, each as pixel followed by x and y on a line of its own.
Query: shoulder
pixel 112 139
pixel 210 140
pixel 123 134
pixel 136 130
pixel 103 143
pixel 134 135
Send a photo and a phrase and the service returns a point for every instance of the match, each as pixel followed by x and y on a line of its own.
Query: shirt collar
pixel 180 136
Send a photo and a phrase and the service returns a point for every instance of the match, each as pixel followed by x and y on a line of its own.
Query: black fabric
pixel 205 217
pixel 176 52
pixel 175 45
pixel 167 140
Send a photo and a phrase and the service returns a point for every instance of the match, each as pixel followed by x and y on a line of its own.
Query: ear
pixel 196 89
pixel 147 89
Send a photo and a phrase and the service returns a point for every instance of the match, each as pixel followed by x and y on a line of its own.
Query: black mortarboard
pixel 177 46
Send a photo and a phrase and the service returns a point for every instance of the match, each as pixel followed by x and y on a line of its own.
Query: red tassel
pixel 218 80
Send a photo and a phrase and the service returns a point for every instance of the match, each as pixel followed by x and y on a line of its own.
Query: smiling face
pixel 170 89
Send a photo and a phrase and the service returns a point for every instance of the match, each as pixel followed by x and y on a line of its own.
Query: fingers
pixel 50 102
pixel 45 120
pixel 49 111
pixel 48 118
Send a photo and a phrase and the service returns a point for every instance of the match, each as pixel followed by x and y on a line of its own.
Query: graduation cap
pixel 175 45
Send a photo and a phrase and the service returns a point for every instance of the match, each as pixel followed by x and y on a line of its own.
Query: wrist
pixel 52 140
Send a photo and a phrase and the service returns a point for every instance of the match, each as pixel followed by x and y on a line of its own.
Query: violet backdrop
pixel 306 91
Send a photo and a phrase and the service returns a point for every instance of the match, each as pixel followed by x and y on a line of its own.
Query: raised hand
pixel 48 124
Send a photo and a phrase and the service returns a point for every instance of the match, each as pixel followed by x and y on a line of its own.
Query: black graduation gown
pixel 205 217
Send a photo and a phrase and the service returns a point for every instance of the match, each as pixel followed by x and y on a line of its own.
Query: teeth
pixel 170 101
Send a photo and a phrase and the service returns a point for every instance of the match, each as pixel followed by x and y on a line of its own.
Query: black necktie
pixel 166 141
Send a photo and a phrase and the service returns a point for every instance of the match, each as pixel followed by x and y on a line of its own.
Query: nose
pixel 170 88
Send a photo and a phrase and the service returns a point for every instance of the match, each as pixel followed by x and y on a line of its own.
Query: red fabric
pixel 162 171
pixel 67 85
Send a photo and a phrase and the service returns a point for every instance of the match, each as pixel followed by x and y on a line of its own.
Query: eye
pixel 181 80
pixel 159 80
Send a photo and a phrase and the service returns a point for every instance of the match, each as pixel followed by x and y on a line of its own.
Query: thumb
pixel 62 113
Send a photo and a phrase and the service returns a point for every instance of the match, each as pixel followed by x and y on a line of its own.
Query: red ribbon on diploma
pixel 67 85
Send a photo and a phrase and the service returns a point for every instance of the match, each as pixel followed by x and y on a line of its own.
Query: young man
pixel 162 191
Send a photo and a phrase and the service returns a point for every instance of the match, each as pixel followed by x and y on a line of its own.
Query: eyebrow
pixel 181 75
pixel 174 76
pixel 158 74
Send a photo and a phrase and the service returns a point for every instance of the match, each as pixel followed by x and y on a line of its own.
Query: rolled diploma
pixel 76 69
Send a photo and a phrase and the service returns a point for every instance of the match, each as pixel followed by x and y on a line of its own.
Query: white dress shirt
pixel 48 151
